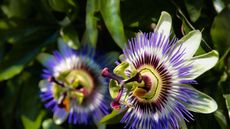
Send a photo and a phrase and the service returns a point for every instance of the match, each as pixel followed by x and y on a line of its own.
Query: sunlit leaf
pixel 70 37
pixel 91 32
pixel 32 124
pixel 110 10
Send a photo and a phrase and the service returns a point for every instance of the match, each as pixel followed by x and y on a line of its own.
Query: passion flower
pixel 152 81
pixel 72 85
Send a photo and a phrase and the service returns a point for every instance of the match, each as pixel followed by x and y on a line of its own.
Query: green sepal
pixel 114 117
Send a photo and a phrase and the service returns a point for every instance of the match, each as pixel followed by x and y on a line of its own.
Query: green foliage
pixel 220 30
pixel 194 9
pixel 110 11
pixel 31 27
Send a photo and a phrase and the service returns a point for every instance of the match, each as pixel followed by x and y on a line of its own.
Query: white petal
pixel 164 24
pixel 200 103
pixel 60 115
pixel 203 63
pixel 189 44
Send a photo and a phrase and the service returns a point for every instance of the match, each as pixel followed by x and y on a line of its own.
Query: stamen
pixel 105 73
pixel 52 79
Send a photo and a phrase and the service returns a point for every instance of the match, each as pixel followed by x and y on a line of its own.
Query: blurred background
pixel 29 27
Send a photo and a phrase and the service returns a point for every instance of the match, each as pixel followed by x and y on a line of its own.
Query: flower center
pixel 72 85
pixel 151 88
pixel 78 79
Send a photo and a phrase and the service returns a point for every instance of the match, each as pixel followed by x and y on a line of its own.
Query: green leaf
pixel 49 124
pixel 12 92
pixel 70 36
pixel 221 119
pixel 19 31
pixel 91 32
pixel 227 100
pixel 20 55
pixel 17 8
pixel 32 124
pixel 114 117
pixel 110 10
pixel 59 5
pixel 220 31
pixel 72 2
pixel 224 62
pixel 30 117
pixel 194 9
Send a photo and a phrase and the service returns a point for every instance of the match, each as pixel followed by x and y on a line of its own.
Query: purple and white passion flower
pixel 152 81
pixel 72 85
